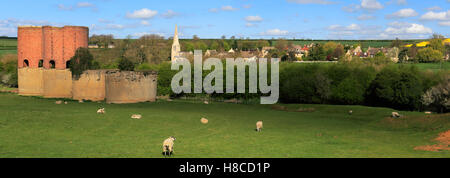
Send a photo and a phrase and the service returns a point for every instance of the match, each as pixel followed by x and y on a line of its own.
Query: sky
pixel 256 19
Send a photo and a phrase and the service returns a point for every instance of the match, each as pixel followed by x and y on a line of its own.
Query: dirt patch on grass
pixel 421 122
pixel 443 143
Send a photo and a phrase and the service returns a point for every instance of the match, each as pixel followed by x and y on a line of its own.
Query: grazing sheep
pixel 168 146
pixel 206 102
pixel 65 102
pixel 204 120
pixel 58 102
pixel 427 112
pixel 136 116
pixel 395 115
pixel 101 111
pixel 80 101
pixel 259 126
pixel 350 112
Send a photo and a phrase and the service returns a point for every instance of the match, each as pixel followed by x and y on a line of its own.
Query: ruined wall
pixel 57 83
pixel 31 81
pixel 90 86
pixel 130 87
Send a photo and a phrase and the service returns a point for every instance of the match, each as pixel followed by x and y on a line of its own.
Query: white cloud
pixel 403 13
pixel 170 14
pixel 228 8
pixel 85 4
pixel 247 6
pixel 371 5
pixel 275 32
pixel 8 27
pixel 366 17
pixel 446 23
pixel 436 16
pixel 398 2
pixel 145 23
pixel 142 14
pixel 213 10
pixel 251 25
pixel 323 2
pixel 77 6
pixel 434 8
pixel 351 27
pixel 101 20
pixel 253 19
pixel 351 8
pixel 401 28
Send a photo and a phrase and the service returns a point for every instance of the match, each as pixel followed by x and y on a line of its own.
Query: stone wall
pixel 57 83
pixel 89 86
pixel 130 87
pixel 94 85
pixel 31 81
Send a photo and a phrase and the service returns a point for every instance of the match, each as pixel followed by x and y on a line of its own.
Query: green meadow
pixel 36 127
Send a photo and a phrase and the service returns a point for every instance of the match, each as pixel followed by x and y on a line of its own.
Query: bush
pixel 81 61
pixel 438 97
pixel 125 64
pixel 396 87
pixel 429 55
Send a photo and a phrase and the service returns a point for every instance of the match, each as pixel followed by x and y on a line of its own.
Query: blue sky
pixel 300 19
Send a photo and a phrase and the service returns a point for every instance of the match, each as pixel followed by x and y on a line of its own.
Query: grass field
pixel 432 66
pixel 37 127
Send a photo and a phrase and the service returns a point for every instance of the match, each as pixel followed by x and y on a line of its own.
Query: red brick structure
pixel 49 47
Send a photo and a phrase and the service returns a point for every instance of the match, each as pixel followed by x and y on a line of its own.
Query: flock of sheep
pixel 169 142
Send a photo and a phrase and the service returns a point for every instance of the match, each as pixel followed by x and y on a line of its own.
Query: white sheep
pixel 168 146
pixel 206 102
pixel 395 115
pixel 101 111
pixel 350 112
pixel 58 102
pixel 136 116
pixel 204 121
pixel 259 126
pixel 65 102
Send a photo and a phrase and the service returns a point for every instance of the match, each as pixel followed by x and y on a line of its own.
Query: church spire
pixel 176 45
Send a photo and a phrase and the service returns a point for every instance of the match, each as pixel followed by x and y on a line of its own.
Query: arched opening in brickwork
pixel 67 64
pixel 41 63
pixel 52 64
pixel 26 63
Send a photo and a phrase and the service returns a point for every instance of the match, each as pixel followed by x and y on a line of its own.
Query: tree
pixel 81 61
pixel 412 52
pixel 437 44
pixel 403 55
pixel 126 65
pixel 317 53
pixel 339 51
pixel 429 55
pixel 438 96
pixel 396 43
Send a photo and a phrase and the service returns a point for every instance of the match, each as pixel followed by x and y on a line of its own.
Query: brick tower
pixel 49 47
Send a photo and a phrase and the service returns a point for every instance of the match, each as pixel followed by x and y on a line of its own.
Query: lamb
pixel 350 112
pixel 206 102
pixel 395 115
pixel 136 116
pixel 204 120
pixel 259 126
pixel 58 102
pixel 101 111
pixel 168 146
pixel 65 102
